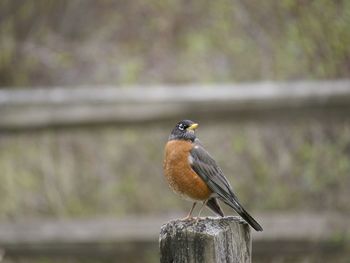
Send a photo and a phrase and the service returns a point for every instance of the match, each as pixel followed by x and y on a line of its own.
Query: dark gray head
pixel 184 130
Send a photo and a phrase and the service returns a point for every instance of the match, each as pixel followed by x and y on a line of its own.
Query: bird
pixel 193 174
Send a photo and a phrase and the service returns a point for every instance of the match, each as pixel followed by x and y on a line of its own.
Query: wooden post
pixel 208 240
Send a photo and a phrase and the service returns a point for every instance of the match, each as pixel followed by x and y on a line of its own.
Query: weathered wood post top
pixel 206 240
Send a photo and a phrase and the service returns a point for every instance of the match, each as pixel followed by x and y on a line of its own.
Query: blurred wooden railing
pixel 46 107
pixel 295 233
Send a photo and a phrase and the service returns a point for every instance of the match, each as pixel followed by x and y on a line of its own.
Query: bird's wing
pixel 205 166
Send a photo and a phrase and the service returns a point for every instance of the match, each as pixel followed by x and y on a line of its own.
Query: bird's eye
pixel 181 127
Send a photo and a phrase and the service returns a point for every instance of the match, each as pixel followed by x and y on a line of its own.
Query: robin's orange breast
pixel 177 170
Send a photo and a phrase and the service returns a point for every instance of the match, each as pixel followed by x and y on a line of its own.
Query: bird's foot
pixel 188 218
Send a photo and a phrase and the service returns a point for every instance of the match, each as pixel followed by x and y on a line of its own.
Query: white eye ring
pixel 181 127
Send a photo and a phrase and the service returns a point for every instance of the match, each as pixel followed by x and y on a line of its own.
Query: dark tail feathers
pixel 250 220
pixel 213 204
pixel 244 214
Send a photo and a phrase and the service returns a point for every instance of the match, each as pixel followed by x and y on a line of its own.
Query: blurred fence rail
pixel 41 107
pixel 296 233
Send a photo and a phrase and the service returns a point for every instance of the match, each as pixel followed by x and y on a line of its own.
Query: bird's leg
pixel 200 210
pixel 189 216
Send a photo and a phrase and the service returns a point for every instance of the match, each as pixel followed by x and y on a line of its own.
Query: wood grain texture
pixel 208 240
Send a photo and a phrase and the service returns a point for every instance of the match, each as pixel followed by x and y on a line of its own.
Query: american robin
pixel 193 174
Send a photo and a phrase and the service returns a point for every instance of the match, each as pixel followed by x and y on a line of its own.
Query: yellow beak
pixel 193 127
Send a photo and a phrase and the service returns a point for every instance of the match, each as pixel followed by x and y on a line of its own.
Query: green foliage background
pixel 273 165
pixel 80 42
pixel 296 164
pixel 83 172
